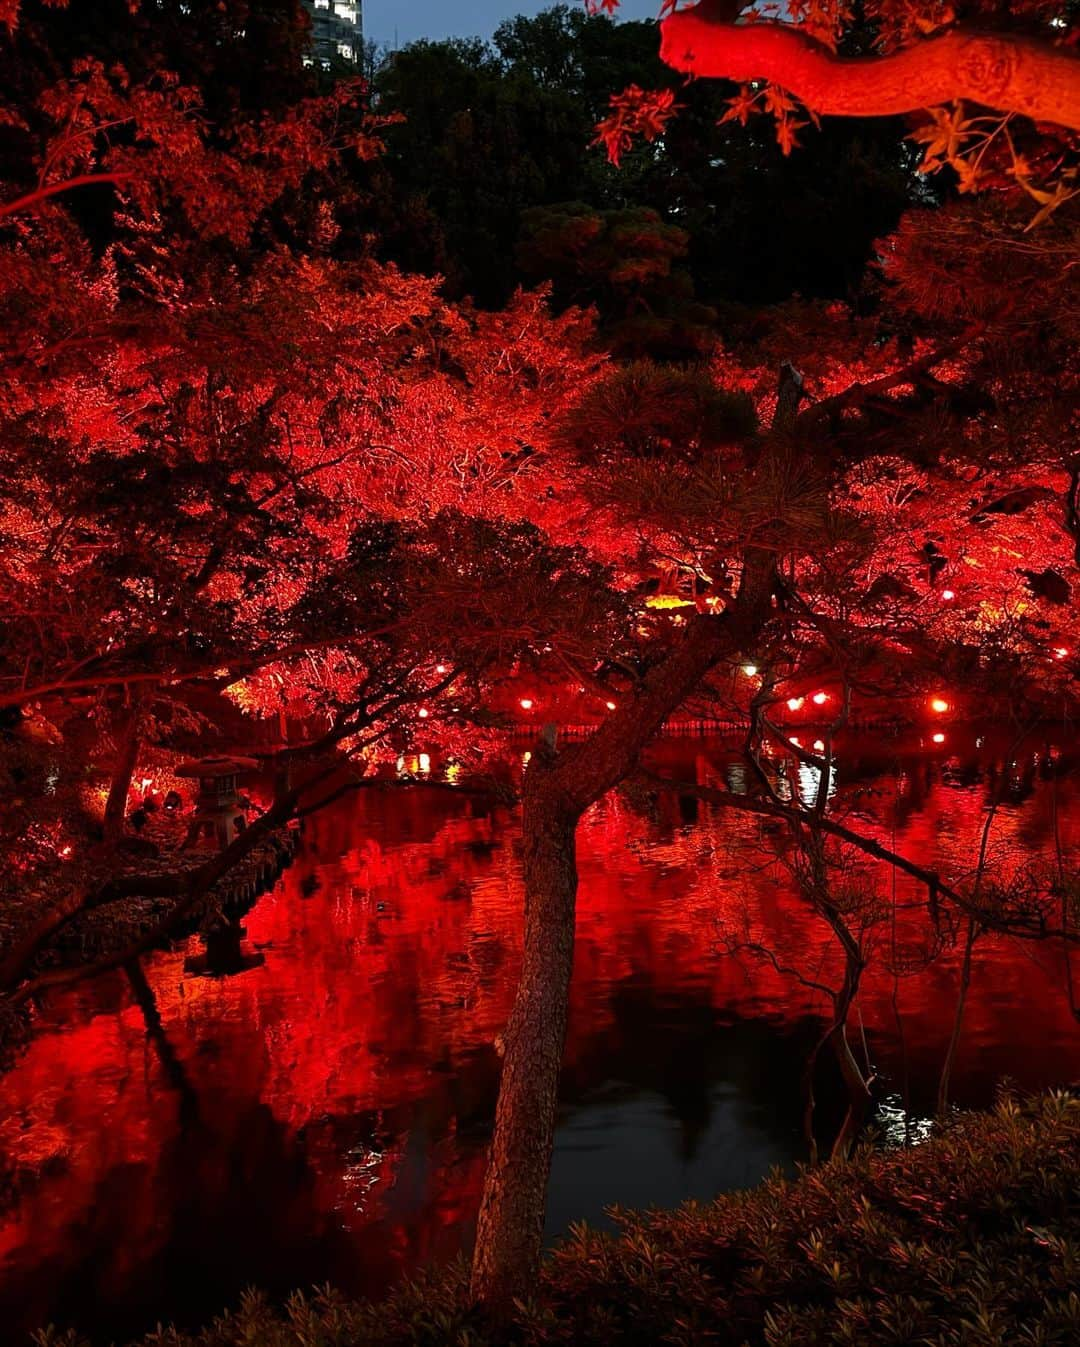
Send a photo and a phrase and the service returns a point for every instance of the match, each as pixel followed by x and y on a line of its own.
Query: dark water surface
pixel 322 1115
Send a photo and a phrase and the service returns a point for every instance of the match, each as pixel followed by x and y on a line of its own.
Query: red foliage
pixel 237 456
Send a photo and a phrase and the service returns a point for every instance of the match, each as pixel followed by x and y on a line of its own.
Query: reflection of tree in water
pixel 229 1199
pixel 681 1049
pixel 327 1118
pixel 175 1072
pixel 838 874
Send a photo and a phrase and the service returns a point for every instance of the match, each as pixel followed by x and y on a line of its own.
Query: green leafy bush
pixel 971 1239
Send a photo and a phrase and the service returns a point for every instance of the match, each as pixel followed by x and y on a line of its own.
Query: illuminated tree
pixel 230 461
pixel 907 522
pixel 923 64
pixel 241 460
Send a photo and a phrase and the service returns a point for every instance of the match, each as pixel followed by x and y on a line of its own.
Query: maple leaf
pixel 777 101
pixel 786 128
pixel 944 137
pixel 741 106
pixel 967 175
pixel 634 112
pixel 1049 201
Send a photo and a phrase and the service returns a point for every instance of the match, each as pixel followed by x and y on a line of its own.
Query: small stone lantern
pixel 219 815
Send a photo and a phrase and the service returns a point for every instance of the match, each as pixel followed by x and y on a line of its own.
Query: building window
pixel 345 49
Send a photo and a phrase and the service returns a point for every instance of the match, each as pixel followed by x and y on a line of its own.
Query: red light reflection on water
pixel 323 1116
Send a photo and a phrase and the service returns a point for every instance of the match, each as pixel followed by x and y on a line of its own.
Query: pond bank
pixel 969 1238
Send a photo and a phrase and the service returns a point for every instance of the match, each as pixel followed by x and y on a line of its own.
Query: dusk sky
pixel 436 19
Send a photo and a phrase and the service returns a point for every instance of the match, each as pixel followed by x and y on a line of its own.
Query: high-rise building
pixel 337 32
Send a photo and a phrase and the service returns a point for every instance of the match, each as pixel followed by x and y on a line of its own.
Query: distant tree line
pixel 490 180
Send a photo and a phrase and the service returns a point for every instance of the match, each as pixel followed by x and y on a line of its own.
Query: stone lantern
pixel 219 815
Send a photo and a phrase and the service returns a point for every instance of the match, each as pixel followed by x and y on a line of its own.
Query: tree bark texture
pixel 1007 72
pixel 510 1231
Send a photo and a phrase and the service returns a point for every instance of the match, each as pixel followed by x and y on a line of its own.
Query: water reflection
pixel 317 1107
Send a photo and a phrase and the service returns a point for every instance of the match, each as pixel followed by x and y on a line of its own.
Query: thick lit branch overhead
pixel 1003 71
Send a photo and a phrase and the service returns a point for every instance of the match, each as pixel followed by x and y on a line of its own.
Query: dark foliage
pixel 491 132
pixel 972 1238
pixel 645 411
pixel 629 264
pixel 246 56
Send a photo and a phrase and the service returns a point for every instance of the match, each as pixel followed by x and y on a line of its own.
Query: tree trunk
pixel 510 1230
pixel 558 788
pixel 116 805
pixel 855 1083
pixel 859 1095
pixel 857 1087
pixel 958 1020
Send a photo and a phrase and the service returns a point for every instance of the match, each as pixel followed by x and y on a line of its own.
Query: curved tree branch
pixel 40 194
pixel 1002 71
pixel 856 394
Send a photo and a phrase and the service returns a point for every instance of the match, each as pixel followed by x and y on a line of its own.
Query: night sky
pixel 436 19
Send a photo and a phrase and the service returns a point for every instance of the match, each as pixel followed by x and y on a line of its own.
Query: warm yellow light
pixel 947 594
pixel 819 745
pixel 423 713
pixel 526 703
pixel 795 703
pixel 667 601
pixel 610 706
pixel 939 738
pixel 939 704
pixel 750 670
pixel 820 698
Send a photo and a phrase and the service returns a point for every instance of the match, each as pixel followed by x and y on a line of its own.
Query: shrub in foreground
pixel 971 1239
